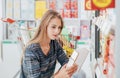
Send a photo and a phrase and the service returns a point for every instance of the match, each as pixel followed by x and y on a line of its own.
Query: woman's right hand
pixel 62 73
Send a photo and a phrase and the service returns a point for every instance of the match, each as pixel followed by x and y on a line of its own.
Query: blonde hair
pixel 41 33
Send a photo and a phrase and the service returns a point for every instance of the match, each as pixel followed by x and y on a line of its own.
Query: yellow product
pixel 69 50
pixel 40 9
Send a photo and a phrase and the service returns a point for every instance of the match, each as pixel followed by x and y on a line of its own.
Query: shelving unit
pixel 27 15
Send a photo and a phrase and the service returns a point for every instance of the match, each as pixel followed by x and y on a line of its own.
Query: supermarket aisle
pixel 12 64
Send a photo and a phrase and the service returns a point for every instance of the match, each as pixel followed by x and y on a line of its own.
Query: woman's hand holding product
pixel 66 72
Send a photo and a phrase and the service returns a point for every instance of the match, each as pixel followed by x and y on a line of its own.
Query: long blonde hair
pixel 41 33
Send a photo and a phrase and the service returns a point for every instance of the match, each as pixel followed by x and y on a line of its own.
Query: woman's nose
pixel 57 30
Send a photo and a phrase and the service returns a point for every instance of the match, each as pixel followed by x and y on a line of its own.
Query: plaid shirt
pixel 38 65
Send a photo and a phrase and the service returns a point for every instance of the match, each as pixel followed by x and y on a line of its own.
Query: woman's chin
pixel 54 38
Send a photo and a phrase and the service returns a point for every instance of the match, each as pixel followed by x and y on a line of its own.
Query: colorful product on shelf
pixel 67 13
pixel 74 4
pixel 67 4
pixel 85 29
pixel 74 13
pixel 52 4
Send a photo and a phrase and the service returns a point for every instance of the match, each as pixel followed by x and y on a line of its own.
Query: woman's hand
pixel 62 73
pixel 72 69
pixel 66 72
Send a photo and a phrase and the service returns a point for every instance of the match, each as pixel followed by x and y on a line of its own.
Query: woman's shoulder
pixel 32 50
pixel 33 46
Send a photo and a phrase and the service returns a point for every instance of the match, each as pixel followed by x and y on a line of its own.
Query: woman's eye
pixel 60 27
pixel 53 27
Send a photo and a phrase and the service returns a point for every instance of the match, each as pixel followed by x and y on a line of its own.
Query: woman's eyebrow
pixel 54 24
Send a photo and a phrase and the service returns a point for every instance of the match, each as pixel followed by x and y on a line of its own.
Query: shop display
pixel 82 28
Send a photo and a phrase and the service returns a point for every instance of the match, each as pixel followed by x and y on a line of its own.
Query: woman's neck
pixel 45 47
pixel 47 41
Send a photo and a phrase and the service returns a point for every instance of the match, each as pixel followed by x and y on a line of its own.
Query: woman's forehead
pixel 55 21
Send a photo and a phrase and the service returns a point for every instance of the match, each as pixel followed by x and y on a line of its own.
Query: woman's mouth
pixel 55 36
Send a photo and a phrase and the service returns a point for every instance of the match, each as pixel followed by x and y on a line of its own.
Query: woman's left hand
pixel 71 70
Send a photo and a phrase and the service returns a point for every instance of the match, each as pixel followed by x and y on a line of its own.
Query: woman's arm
pixel 31 65
pixel 61 56
pixel 63 60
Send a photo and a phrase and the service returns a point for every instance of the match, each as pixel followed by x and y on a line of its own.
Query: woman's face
pixel 54 28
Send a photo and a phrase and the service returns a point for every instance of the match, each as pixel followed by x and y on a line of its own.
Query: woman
pixel 43 50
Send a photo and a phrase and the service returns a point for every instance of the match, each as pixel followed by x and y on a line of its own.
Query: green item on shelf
pixel 9 42
pixel 65 33
pixel 81 42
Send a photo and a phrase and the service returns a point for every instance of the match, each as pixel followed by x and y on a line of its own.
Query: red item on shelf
pixel 74 4
pixel 9 20
pixel 52 4
pixel 67 4
pixel 74 13
pixel 105 71
pixel 67 13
